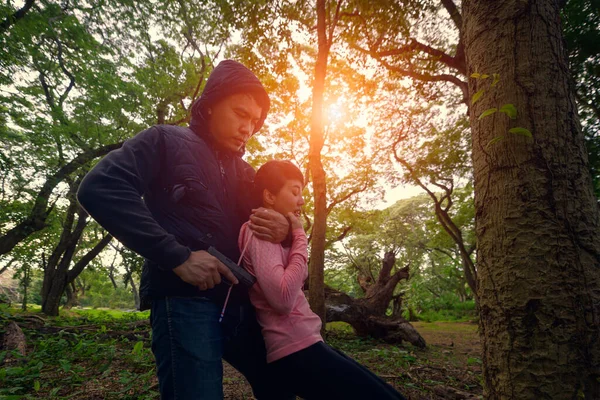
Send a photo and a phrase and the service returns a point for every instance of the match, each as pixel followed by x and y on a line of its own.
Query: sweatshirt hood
pixel 228 78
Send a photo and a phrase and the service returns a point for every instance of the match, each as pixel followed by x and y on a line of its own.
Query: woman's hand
pixel 295 221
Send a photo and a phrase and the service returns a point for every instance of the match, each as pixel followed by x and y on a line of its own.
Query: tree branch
pixel 446 253
pixel 357 265
pixel 87 258
pixel 413 45
pixel 333 23
pixel 447 223
pixel 341 236
pixel 451 62
pixel 16 16
pixel 463 86
pixel 36 220
pixel 403 273
pixel 46 88
pixel 7 266
pixel 454 13
pixel 337 201
pixel 66 236
pixel 57 111
pixel 388 262
pixel 61 63
pixel 74 238
pixel 585 101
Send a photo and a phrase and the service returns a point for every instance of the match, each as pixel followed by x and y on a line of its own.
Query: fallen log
pixel 14 339
pixel 341 307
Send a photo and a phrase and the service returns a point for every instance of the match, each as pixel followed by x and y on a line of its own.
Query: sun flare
pixel 335 112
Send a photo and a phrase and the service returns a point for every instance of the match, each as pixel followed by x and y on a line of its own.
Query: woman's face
pixel 289 198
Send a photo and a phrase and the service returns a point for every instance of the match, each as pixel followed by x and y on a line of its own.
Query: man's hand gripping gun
pixel 240 273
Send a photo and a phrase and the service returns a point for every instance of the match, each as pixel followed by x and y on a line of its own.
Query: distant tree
pixel 89 78
pixel 581 28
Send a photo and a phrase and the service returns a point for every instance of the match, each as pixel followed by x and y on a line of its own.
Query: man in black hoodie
pixel 168 194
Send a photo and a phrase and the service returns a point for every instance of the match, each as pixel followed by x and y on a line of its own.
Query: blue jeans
pixel 188 343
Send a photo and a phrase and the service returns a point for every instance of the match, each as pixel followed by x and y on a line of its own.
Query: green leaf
pixel 12 135
pixel 14 371
pixel 496 79
pixel 36 386
pixel 510 110
pixel 493 141
pixel 487 112
pixel 65 364
pixel 477 96
pixel 520 131
pixel 485 76
pixel 475 75
pixel 137 349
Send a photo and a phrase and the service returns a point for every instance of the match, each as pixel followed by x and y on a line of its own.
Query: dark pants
pixel 321 372
pixel 188 343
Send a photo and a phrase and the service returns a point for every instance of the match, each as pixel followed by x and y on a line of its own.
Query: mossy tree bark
pixel 537 220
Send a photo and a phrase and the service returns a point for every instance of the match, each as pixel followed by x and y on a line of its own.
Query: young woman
pixel 296 353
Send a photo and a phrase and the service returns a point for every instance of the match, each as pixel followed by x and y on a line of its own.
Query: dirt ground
pixel 449 368
pixel 70 358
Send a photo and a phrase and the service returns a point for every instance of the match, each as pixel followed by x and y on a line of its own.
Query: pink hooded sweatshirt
pixel 288 324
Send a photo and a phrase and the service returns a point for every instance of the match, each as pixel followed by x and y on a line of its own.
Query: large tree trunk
pixel 26 281
pixel 317 252
pixel 63 276
pixel 135 292
pixel 55 280
pixel 51 300
pixel 57 274
pixel 72 292
pixel 537 221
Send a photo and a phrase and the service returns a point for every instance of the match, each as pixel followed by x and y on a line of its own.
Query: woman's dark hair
pixel 272 176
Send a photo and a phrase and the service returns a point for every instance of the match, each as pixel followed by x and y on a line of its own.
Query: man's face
pixel 232 121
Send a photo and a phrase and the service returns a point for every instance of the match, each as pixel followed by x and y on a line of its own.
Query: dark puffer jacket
pixel 169 191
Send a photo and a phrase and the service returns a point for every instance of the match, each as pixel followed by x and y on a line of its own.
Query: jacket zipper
pixel 222 176
pixel 197 181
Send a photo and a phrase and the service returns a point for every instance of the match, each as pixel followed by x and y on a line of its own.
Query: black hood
pixel 228 78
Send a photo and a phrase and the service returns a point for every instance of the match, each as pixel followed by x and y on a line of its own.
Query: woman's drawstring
pixel 239 263
pixel 225 305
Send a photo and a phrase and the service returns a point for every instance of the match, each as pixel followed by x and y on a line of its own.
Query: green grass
pixel 447 311
pixel 339 326
pixel 101 353
pixel 98 313
pixel 446 316
pixel 445 326
pixel 65 361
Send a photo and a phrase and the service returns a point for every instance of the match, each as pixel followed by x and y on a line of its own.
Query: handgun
pixel 240 273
